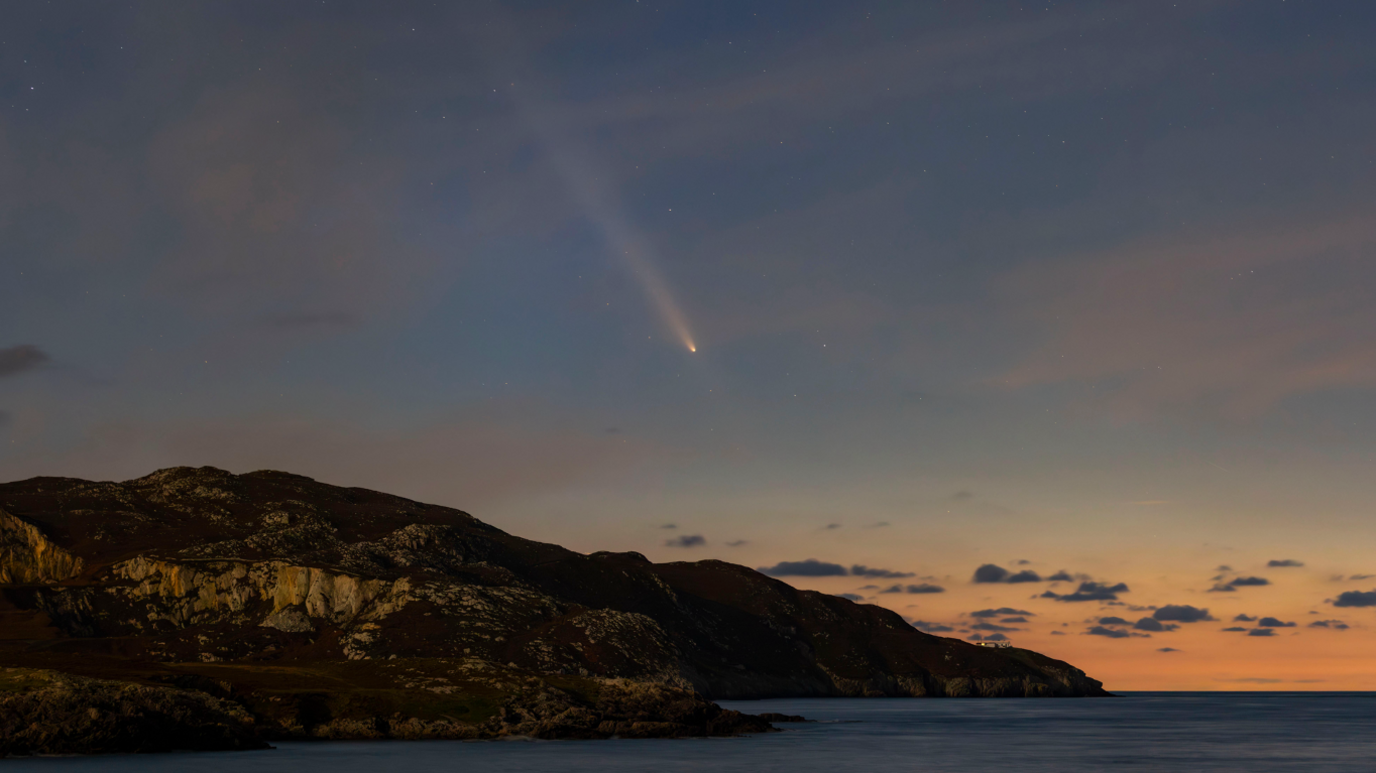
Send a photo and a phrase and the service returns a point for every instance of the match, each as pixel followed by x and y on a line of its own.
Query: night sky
pixel 885 297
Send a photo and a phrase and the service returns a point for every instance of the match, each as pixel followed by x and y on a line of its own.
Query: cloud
pixel 1168 649
pixel 1261 632
pixel 1112 633
pixel 1332 624
pixel 1244 619
pixel 810 567
pixel 1112 621
pixel 922 588
pixel 813 568
pixel 669 526
pixel 982 626
pixel 1091 591
pixel 275 203
pixel 923 625
pixel 1166 326
pixel 1232 629
pixel 686 541
pixel 1154 625
pixel 984 614
pixel 735 543
pixel 1356 598
pixel 1252 680
pixel 17 359
pixel 865 571
pixel 1181 613
pixel 992 573
pixel 1283 562
pixel 1239 582
pixel 1061 576
pixel 1271 622
pixel 468 459
pixel 831 527
pixel 850 596
pixel 1361 576
pixel 1013 620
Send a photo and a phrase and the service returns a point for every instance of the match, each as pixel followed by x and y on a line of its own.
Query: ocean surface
pixel 1252 732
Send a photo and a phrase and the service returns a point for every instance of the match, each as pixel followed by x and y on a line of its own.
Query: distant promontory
pixel 193 608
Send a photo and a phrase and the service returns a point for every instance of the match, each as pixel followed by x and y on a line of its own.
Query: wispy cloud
pixel 18 359
pixel 1230 324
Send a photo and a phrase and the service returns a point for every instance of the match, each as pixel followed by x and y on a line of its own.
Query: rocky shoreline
pixel 51 713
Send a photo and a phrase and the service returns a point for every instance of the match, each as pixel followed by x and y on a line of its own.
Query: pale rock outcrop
pixel 290 620
pixel 28 556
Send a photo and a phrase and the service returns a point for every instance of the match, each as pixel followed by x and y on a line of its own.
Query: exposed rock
pixel 623 709
pixel 773 717
pixel 291 619
pixel 26 556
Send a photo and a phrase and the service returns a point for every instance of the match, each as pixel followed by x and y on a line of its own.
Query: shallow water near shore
pixel 1313 732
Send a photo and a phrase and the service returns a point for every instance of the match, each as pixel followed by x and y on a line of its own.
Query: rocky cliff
pixel 166 576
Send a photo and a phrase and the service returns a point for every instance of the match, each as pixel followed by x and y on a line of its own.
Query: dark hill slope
pixel 269 569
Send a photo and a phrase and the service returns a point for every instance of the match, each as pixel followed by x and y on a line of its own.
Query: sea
pixel 1245 732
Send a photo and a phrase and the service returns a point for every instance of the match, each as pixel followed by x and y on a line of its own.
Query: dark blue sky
pixel 1089 279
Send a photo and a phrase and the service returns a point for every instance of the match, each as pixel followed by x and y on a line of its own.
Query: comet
pixel 599 205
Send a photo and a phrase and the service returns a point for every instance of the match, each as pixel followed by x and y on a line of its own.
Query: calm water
pixel 1140 732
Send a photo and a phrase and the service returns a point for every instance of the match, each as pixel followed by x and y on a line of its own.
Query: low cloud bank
pixel 811 567
pixel 922 588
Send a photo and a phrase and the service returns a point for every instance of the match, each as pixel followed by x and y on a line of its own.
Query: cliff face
pixel 26 556
pixel 201 566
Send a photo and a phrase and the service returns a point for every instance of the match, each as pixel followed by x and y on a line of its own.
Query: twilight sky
pixel 978 291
